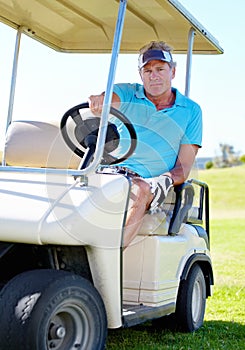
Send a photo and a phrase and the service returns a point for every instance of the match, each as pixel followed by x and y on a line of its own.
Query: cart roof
pixel 88 26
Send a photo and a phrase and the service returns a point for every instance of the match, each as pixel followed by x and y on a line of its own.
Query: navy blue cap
pixel 154 54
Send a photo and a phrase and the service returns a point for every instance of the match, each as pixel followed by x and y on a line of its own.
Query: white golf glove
pixel 160 187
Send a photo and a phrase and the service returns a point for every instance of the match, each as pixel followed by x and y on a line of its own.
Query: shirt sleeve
pixel 193 132
pixel 123 91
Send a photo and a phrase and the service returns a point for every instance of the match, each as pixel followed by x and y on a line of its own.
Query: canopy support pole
pixel 189 61
pixel 109 89
pixel 14 75
pixel 13 84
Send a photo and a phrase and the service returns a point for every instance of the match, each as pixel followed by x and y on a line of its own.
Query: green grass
pixel 224 325
pixel 226 188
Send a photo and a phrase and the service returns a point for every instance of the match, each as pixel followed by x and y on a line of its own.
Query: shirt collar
pixel 139 91
pixel 180 99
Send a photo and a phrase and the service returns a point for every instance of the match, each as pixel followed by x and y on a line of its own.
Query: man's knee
pixel 143 190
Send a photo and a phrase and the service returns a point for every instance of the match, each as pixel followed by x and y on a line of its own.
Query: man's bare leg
pixel 140 200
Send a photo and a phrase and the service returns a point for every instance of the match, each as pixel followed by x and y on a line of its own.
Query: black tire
pixel 191 301
pixel 50 309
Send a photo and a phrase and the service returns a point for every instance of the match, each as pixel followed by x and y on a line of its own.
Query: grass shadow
pixel 214 335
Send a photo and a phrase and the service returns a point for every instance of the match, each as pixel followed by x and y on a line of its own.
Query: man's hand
pixel 160 187
pixel 96 104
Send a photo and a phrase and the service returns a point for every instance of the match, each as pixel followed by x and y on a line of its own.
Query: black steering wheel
pixel 86 132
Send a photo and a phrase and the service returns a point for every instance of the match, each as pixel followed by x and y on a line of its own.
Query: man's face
pixel 156 77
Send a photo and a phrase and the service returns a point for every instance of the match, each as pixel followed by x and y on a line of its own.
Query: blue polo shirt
pixel 159 133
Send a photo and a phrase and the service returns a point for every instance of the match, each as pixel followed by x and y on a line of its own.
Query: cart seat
pixel 177 210
pixel 38 144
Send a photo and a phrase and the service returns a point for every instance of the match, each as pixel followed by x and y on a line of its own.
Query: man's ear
pixel 173 72
pixel 140 74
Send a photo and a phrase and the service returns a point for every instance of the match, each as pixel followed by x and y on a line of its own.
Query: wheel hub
pixel 57 332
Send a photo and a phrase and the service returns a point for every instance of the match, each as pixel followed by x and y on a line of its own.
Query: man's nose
pixel 154 75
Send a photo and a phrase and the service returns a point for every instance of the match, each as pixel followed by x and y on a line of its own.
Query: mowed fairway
pixel 224 326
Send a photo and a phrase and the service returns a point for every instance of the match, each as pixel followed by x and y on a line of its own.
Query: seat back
pixel 184 201
pixel 38 144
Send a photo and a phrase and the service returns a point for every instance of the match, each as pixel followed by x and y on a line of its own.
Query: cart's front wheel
pixel 49 309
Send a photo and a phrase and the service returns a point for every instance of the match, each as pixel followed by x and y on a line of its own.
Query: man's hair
pixel 157 45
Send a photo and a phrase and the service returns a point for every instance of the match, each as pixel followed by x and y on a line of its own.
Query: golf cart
pixel 65 277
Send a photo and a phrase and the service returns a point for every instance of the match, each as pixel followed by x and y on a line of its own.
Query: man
pixel 168 127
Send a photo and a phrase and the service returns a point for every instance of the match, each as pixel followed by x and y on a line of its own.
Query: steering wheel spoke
pixel 76 116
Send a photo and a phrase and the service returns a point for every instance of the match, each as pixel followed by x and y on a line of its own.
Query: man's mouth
pixel 155 84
